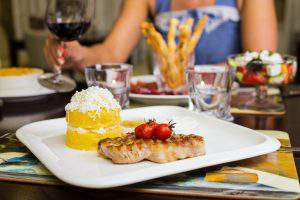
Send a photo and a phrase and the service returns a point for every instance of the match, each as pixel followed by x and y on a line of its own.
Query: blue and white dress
pixel 221 35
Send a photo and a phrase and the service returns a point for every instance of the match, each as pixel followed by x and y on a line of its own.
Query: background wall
pixel 289 25
pixel 4 41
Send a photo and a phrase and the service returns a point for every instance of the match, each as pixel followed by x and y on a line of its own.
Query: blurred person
pixel 233 26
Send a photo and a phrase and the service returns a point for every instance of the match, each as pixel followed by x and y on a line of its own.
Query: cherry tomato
pixel 143 131
pixel 162 131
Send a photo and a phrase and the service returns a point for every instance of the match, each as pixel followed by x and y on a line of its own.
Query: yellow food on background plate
pixel 92 115
pixel 19 71
pixel 13 78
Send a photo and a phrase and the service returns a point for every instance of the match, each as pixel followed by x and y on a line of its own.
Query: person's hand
pixel 64 54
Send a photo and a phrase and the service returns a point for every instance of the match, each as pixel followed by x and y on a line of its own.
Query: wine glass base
pixel 262 105
pixel 58 83
pixel 258 100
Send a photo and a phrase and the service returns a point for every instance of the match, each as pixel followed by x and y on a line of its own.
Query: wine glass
pixel 68 20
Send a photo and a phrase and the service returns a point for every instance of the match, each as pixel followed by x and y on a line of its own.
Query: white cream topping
pixel 92 99
pixel 82 130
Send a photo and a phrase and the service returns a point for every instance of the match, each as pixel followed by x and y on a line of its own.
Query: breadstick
pixel 188 31
pixel 171 34
pixel 172 81
pixel 166 55
pixel 156 42
pixel 183 37
pixel 150 41
pixel 185 31
pixel 159 40
pixel 154 38
pixel 197 34
pixel 189 23
pixel 182 57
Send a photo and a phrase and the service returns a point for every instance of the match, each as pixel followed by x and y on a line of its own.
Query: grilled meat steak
pixel 129 149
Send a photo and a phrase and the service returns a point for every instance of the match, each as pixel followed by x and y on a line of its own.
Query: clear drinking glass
pixel 113 76
pixel 210 89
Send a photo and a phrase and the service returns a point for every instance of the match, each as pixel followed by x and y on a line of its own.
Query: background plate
pixel 181 100
pixel 25 92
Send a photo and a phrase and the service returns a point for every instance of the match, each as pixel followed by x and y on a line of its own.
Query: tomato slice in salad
pixel 254 78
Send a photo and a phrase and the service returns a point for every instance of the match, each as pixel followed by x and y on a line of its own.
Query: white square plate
pixel 224 142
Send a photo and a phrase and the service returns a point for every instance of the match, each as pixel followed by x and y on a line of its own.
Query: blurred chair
pixel 34 42
pixel 4 49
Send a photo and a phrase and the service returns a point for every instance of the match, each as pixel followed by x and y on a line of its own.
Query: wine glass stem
pixel 57 72
pixel 57 75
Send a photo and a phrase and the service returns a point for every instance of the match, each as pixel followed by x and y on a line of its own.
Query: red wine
pixel 68 31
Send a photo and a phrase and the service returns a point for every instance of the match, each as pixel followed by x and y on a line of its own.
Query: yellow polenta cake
pixel 92 115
